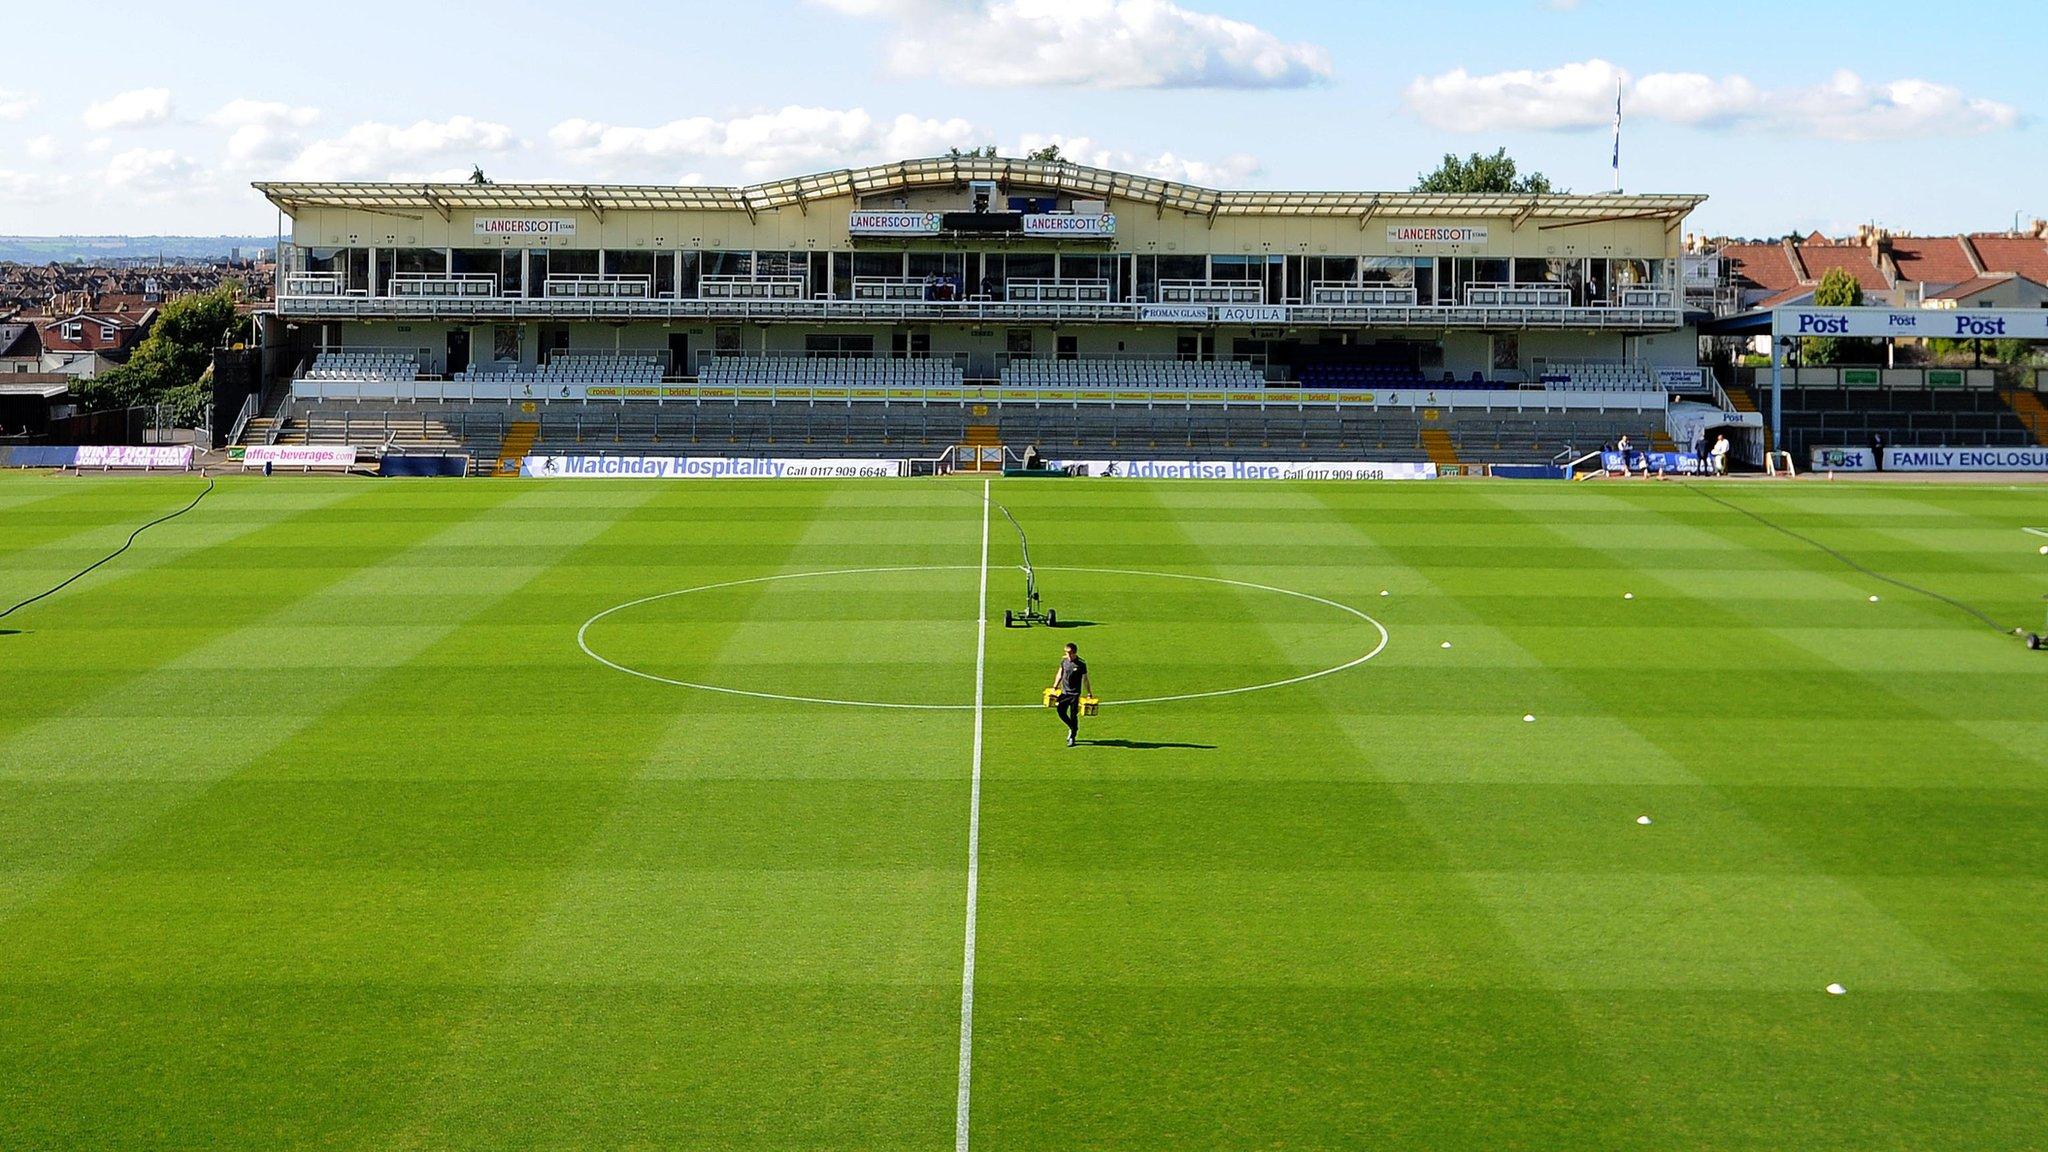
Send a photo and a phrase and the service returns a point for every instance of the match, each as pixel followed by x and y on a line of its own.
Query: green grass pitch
pixel 319 830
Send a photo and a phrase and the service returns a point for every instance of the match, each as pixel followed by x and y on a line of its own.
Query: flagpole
pixel 1617 136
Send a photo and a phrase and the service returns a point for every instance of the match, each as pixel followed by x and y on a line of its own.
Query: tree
pixel 1050 154
pixel 1497 173
pixel 1837 289
pixel 478 178
pixel 170 365
pixel 985 152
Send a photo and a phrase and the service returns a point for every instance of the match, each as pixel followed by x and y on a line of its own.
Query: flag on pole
pixel 1617 135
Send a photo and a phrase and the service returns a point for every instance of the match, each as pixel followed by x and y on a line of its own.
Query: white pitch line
pixel 973 848
pixel 2036 531
pixel 583 640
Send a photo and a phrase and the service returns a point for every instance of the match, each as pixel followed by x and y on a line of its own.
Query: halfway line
pixel 973 848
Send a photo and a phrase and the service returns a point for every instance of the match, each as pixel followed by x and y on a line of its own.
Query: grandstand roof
pixel 1075 179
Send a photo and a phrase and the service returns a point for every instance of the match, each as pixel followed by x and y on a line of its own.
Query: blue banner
pixel 1684 463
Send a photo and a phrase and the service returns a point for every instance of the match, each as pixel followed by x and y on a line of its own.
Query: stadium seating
pixel 1590 377
pixel 828 372
pixel 572 368
pixel 1162 374
pixel 379 366
pixel 1905 417
pixel 1375 377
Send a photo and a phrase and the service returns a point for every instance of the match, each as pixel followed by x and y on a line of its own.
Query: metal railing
pixel 1495 295
pixel 1057 291
pixel 1212 292
pixel 1348 292
pixel 599 288
pixel 465 286
pixel 750 288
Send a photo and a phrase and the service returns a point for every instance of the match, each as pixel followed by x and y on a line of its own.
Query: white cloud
pixel 42 149
pixel 1581 96
pixel 137 109
pixel 155 174
pixel 1087 43
pixel 1231 171
pixel 16 105
pixel 767 143
pixel 262 132
pixel 374 151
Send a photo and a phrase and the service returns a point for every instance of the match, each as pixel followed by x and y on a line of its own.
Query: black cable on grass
pixel 88 569
pixel 1874 575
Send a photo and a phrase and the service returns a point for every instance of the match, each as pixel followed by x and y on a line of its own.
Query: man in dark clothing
pixel 1070 682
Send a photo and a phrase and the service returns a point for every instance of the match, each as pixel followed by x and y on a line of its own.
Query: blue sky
pixel 1790 115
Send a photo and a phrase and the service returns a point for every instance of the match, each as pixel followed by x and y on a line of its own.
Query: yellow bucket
pixel 1089 704
pixel 1052 697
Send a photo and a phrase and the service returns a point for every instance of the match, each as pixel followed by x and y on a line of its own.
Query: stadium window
pixel 638 265
pixel 689 265
pixel 1183 268
pixel 1069 348
pixel 878 265
pixel 1234 269
pixel 1029 266
pixel 572 262
pixel 725 340
pixel 842 275
pixel 1017 342
pixel 505 343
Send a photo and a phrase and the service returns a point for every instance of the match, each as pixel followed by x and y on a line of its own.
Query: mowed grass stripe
pixel 868 940
pixel 287 929
pixel 1090 1037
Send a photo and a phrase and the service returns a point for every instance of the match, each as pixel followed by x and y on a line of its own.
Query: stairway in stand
pixel 1442 452
pixel 1740 398
pixel 519 438
pixel 2034 414
pixel 982 449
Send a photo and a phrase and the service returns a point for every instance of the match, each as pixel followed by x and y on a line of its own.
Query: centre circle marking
pixel 583 638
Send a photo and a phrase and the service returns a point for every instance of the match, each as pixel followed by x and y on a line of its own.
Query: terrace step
pixel 1442 452
pixel 518 442
pixel 2034 414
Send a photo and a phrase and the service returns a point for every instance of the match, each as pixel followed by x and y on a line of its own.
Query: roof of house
pixel 1984 284
pixel 940 172
pixel 1932 259
pixel 1764 265
pixel 2026 255
pixel 1855 259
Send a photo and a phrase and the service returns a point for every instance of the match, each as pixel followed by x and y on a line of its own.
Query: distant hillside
pixel 101 249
